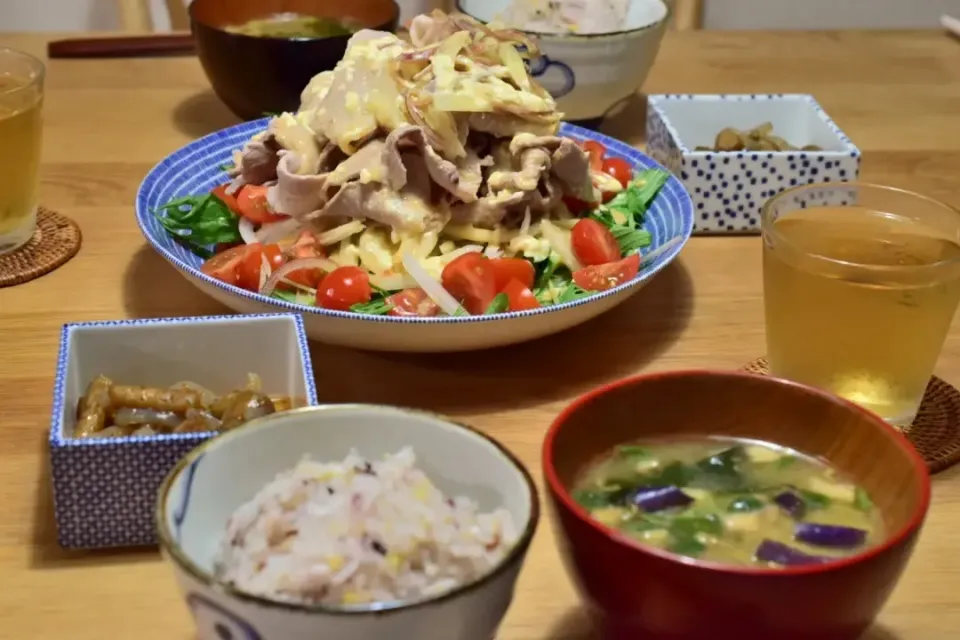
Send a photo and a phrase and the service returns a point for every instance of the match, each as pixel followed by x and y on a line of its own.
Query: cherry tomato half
pixel 222 195
pixel 619 169
pixel 601 277
pixel 248 274
pixel 225 266
pixel 412 302
pixel 507 269
pixel 520 297
pixel 344 287
pixel 252 205
pixel 470 280
pixel 597 152
pixel 593 243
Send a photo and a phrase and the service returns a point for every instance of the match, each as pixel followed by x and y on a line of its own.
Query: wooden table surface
pixel 107 122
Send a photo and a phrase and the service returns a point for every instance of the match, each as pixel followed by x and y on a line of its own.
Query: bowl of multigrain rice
pixel 354 522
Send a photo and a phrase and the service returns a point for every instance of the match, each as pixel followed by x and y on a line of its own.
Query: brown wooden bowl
pixel 639 591
pixel 256 76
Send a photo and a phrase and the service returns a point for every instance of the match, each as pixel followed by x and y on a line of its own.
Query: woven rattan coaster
pixel 56 240
pixel 935 432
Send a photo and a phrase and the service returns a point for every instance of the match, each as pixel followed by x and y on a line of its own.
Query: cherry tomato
pixel 596 151
pixel 601 277
pixel 619 169
pixel 222 195
pixel 248 274
pixel 520 297
pixel 344 287
pixel 576 206
pixel 470 280
pixel 225 266
pixel 593 243
pixel 412 302
pixel 306 246
pixel 507 269
pixel 252 205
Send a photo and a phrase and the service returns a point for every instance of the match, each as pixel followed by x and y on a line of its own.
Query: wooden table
pixel 107 122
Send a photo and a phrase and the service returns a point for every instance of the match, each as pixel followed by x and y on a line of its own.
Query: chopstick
pixel 951 24
pixel 122 47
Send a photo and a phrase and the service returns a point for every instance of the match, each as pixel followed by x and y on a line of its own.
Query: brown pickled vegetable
pixel 760 138
pixel 113 410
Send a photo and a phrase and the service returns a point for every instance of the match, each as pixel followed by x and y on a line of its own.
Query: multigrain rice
pixel 359 531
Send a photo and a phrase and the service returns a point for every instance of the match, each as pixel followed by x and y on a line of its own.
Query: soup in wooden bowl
pixel 700 504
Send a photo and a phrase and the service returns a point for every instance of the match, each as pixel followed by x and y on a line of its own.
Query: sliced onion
pixel 493 251
pixel 646 258
pixel 431 287
pixel 559 240
pixel 265 270
pixel 525 224
pixel 337 234
pixel 277 231
pixel 295 265
pixel 393 281
pixel 246 231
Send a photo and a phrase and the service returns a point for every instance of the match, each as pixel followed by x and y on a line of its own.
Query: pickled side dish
pixel 108 409
pixel 744 503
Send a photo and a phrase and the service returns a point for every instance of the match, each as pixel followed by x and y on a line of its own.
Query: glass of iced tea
pixel 860 287
pixel 21 98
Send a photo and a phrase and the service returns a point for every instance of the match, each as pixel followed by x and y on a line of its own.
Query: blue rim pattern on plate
pixel 196 169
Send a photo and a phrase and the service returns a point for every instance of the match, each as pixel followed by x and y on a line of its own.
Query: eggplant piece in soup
pixel 737 502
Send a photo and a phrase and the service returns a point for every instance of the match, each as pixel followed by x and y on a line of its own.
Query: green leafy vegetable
pixel 499 304
pixel 640 525
pixel 687 546
pixel 745 504
pixel 814 500
pixel 684 527
pixel 597 499
pixel 862 501
pixel 632 451
pixel 227 168
pixel 572 292
pixel 676 473
pixel 294 297
pixel 199 222
pixel 786 461
pixel 376 307
pixel 624 214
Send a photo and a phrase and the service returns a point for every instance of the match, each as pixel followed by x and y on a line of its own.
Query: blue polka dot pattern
pixel 105 490
pixel 729 189
pixel 197 168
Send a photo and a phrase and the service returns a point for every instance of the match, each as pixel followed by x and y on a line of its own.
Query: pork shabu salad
pixel 423 178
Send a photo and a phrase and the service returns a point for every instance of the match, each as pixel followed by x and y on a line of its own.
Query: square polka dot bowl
pixel 729 188
pixel 105 489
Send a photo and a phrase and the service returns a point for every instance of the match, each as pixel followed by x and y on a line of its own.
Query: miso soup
pixel 294 26
pixel 732 501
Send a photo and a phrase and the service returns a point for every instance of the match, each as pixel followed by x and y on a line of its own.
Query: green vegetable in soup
pixel 292 25
pixel 723 505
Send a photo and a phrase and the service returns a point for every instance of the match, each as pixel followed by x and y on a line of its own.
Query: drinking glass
pixel 21 98
pixel 860 283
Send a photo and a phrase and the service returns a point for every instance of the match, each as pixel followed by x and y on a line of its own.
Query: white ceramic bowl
pixel 730 188
pixel 588 74
pixel 210 483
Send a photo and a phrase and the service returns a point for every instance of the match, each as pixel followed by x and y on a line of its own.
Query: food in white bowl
pixel 592 54
pixel 359 531
pixel 397 524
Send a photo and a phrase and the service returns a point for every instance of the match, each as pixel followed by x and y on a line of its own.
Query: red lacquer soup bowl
pixel 638 592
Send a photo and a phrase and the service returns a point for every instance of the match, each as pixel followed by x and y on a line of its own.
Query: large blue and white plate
pixel 196 168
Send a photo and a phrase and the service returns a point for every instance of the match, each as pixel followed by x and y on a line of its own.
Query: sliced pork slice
pixel 486 212
pixel 296 194
pixel 258 163
pixel 505 125
pixel 571 165
pixel 366 165
pixel 445 173
pixel 401 211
